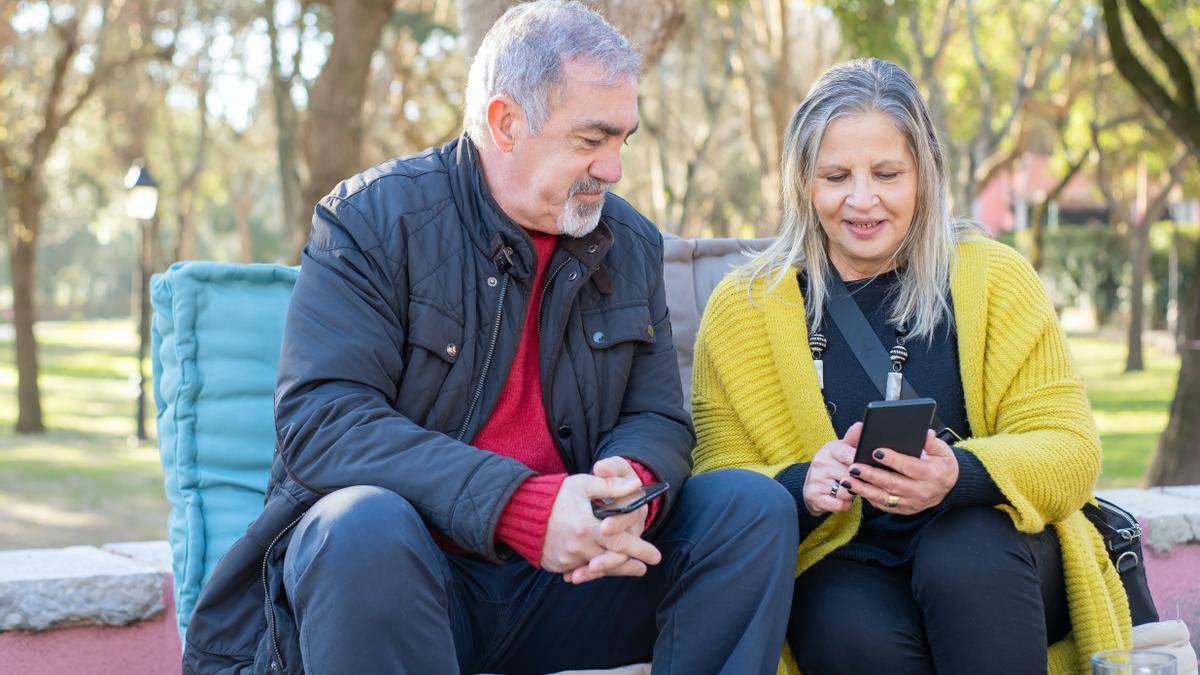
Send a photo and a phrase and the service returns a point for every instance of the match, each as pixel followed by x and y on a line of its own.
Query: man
pixel 478 347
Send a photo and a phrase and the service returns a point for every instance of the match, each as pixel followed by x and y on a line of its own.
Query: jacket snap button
pixel 572 276
pixel 592 248
pixel 492 282
pixel 598 337
pixel 452 350
pixel 564 432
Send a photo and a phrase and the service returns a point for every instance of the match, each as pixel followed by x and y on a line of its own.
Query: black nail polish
pixel 855 472
pixel 846 484
pixel 878 454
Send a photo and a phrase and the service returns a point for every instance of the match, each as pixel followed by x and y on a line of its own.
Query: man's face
pixel 576 158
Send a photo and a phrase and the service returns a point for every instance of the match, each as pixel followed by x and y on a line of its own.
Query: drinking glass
pixel 1134 662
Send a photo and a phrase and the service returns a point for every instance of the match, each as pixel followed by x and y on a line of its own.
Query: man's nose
pixel 607 167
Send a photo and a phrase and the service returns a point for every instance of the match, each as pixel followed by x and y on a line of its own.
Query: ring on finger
pixel 833 491
pixel 893 501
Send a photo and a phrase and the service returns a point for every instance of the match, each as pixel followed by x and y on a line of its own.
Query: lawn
pixel 87 482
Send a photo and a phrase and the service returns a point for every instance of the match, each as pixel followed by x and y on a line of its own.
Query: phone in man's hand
pixel 895 425
pixel 630 504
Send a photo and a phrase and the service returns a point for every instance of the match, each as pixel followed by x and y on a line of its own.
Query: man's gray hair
pixel 525 53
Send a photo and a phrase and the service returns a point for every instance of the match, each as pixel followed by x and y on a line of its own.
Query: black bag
pixel 1120 530
pixel 1123 538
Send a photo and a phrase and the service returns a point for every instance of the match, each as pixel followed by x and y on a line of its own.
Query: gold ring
pixel 893 501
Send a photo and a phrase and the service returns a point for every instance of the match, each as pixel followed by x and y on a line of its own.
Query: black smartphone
pixel 896 425
pixel 603 510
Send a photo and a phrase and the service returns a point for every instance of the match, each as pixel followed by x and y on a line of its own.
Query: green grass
pixel 86 482
pixel 1130 408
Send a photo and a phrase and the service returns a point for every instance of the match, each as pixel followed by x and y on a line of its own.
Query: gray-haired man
pixel 477 349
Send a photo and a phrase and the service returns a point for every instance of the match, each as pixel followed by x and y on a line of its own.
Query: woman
pixel 974 557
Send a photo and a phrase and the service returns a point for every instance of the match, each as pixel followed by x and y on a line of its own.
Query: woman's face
pixel 865 193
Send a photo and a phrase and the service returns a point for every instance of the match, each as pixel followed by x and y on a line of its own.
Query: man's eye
pixel 592 142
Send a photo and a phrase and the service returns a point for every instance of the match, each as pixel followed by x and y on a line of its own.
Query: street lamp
pixel 141 205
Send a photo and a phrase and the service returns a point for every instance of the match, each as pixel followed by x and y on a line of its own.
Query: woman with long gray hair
pixel 973 556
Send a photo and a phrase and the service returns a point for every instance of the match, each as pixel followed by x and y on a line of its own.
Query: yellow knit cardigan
pixel 756 405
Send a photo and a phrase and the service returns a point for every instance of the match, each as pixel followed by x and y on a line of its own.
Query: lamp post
pixel 141 206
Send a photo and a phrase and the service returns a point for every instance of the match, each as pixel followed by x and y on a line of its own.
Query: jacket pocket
pixel 434 329
pixel 614 334
pixel 609 327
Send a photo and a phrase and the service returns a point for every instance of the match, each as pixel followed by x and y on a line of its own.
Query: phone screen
pixel 896 425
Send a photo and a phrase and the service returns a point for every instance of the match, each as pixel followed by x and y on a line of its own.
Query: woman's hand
pixel 829 468
pixel 915 485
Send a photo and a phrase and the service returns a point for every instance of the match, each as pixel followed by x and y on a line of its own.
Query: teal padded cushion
pixel 215 336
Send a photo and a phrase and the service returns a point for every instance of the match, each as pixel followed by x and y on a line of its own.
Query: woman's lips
pixel 863 228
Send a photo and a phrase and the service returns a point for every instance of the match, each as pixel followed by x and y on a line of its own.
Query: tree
pixel 1177 461
pixel 51 90
pixel 649 26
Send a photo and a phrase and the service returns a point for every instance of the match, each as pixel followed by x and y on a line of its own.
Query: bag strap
pixel 870 352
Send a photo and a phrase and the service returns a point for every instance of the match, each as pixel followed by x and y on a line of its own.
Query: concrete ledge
pixel 1170 516
pixel 46 588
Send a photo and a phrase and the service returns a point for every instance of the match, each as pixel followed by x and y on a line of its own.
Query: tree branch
pixel 1177 67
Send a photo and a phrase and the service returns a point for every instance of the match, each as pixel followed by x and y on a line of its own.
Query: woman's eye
pixel 836 178
pixel 887 175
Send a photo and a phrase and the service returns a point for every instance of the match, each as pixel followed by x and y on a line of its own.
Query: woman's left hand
pixel 916 484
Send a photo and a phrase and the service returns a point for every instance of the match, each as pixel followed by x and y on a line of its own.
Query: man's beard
pixel 579 218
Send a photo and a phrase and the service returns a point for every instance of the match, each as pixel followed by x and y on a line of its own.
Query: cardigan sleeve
pixel 1039 442
pixel 722 441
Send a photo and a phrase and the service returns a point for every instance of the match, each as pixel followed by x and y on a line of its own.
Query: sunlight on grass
pixel 1131 409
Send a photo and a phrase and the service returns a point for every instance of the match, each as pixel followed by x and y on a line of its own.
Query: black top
pixel 932 370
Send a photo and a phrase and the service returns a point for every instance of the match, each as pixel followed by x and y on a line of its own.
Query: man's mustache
pixel 588 185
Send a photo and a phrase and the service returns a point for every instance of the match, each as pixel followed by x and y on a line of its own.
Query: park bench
pixel 216 336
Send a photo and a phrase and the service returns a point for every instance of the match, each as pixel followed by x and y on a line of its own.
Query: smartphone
pixel 605 509
pixel 896 425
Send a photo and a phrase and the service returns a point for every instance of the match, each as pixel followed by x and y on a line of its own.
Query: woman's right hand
pixel 831 466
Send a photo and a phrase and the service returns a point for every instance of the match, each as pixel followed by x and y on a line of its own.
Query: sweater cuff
pixel 647 477
pixel 792 478
pixel 975 486
pixel 523 521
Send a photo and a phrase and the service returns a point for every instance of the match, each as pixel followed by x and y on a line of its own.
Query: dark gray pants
pixel 373 593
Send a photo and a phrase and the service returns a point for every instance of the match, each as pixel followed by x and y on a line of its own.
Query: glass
pixel 1134 662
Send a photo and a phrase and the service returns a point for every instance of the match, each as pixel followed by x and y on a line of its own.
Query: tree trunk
pixel 1177 461
pixel 287 123
pixel 22 239
pixel 333 132
pixel 1134 360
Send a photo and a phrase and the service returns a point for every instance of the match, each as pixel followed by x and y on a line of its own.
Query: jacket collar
pixel 504 242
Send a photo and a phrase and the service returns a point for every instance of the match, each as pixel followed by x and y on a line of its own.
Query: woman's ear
pixel 504 119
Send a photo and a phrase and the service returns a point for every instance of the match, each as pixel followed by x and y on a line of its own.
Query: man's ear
pixel 505 119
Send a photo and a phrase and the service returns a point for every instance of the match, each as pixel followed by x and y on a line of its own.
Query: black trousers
pixel 372 593
pixel 978 597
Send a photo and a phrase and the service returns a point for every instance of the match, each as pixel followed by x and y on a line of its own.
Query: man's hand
pixel 573 535
pixel 618 533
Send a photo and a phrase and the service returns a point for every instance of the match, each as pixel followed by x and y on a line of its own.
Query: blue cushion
pixel 215 350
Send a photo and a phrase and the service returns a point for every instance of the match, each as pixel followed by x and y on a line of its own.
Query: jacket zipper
pixel 267 594
pixel 546 287
pixel 487 361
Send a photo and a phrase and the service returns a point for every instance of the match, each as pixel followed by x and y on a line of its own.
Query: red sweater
pixel 509 432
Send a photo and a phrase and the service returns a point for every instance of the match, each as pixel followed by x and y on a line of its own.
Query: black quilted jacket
pixel 399 337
